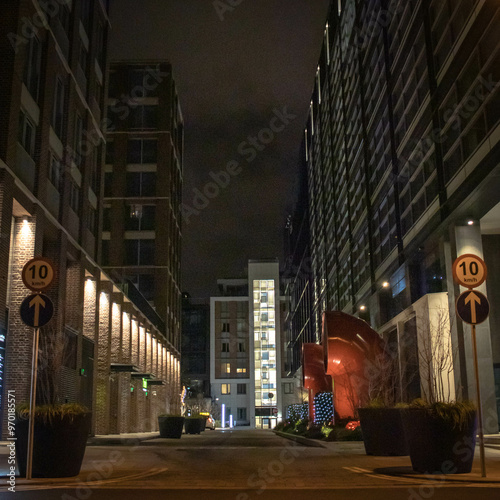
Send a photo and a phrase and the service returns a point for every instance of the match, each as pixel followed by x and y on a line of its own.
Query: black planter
pixel 383 432
pixel 59 445
pixel 192 426
pixel 203 423
pixel 437 447
pixel 171 427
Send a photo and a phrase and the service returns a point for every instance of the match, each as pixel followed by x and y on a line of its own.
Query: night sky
pixel 233 76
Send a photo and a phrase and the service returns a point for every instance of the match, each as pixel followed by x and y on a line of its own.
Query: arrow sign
pixel 473 307
pixel 37 303
pixel 36 310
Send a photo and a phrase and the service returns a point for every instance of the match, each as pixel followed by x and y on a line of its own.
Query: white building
pixel 246 347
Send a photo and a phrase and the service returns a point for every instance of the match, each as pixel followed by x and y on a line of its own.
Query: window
pixel 142 84
pixel 63 15
pixel 264 376
pixel 241 370
pixel 110 153
pixel 144 117
pixel 141 184
pixel 241 414
pixel 100 45
pixel 139 252
pixel 241 347
pixel 83 56
pixel 91 219
pixel 94 170
pixel 241 388
pixel 108 184
pixel 78 140
pixel 27 132
pixel 225 389
pixel 265 355
pixel 106 218
pixel 225 347
pixel 140 217
pixel 32 66
pixel 85 14
pixel 142 151
pixel 288 388
pixel 263 297
pixel 241 326
pixel 74 197
pixel 55 172
pixel 226 368
pixel 225 327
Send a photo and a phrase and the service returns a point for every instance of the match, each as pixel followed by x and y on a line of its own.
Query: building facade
pixel 402 147
pixel 143 185
pixel 52 140
pixel 246 344
pixel 195 346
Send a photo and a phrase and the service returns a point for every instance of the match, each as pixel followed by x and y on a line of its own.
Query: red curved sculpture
pixel 351 350
pixel 314 377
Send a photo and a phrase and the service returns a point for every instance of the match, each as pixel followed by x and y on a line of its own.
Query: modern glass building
pixel 402 147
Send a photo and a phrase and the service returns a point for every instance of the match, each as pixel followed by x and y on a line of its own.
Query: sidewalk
pixel 401 466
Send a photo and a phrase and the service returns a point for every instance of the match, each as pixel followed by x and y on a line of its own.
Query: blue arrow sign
pixel 36 310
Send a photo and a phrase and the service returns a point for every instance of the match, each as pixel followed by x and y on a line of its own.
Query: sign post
pixel 473 308
pixel 36 311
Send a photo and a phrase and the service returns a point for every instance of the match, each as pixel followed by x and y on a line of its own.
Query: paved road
pixel 247 465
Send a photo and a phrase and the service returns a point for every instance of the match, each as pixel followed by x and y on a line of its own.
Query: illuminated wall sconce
pixel 362 308
pixel 385 284
pixel 470 222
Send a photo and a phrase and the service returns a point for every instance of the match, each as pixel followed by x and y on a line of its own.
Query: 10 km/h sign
pixel 469 270
pixel 38 274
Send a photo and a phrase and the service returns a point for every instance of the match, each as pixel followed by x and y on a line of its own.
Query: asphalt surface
pixel 248 464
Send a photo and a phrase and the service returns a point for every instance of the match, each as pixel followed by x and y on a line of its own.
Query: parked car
pixel 210 424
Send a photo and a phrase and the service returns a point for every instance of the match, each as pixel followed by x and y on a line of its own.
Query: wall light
pixel 470 222
pixel 385 284
pixel 362 308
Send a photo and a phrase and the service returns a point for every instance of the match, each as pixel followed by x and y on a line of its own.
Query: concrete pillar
pixel 103 362
pixel 468 240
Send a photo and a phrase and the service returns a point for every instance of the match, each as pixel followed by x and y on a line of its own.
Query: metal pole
pixel 31 431
pixel 479 409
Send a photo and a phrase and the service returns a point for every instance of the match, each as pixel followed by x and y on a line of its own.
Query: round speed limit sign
pixel 469 270
pixel 38 274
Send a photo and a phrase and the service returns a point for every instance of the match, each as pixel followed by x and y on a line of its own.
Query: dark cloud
pixel 231 75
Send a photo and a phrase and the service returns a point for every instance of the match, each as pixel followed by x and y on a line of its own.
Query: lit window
pixel 226 367
pixel 225 389
pixel 241 370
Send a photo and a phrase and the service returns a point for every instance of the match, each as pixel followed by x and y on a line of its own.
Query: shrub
pixel 314 432
pixel 301 427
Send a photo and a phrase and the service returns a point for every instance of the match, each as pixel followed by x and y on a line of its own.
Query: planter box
pixel 383 432
pixel 193 425
pixel 171 427
pixel 435 446
pixel 59 445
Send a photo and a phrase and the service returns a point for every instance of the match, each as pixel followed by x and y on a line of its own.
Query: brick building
pixel 143 183
pixel 52 98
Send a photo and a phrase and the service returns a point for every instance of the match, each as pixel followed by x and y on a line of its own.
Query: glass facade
pixel 265 371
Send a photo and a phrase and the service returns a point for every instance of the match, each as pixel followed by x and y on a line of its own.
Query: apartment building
pixel 402 146
pixel 52 146
pixel 143 186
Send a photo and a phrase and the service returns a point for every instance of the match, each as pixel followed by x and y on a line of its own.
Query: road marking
pixel 91 484
pixel 357 470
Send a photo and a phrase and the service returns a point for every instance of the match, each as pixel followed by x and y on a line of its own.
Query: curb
pixel 300 439
pixel 119 441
